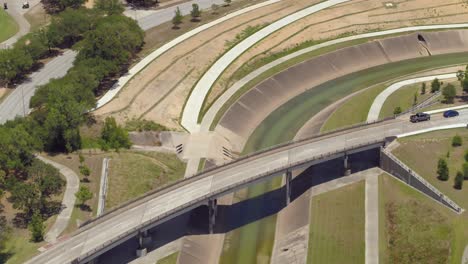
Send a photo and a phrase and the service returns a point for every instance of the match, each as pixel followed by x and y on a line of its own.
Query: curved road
pixel 125 222
pixel 16 11
pixel 379 101
pixel 68 201
pixel 17 102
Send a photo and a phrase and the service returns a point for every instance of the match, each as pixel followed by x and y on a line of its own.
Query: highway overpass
pixel 142 214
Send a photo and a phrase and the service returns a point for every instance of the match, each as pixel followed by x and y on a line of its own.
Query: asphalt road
pixel 13 105
pixel 166 14
pixel 115 225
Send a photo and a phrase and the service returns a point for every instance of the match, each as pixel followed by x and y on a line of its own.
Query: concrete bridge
pixel 135 218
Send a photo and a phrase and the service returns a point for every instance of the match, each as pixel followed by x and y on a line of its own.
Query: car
pixel 451 113
pixel 420 117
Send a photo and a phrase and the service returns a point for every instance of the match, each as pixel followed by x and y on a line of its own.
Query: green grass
pixel 132 174
pixel 354 110
pixel 421 153
pixel 18 248
pixel 7 25
pixel 171 259
pixel 415 229
pixel 404 98
pixel 337 226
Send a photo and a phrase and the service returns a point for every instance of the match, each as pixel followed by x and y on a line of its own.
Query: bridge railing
pixel 456 207
pixel 203 198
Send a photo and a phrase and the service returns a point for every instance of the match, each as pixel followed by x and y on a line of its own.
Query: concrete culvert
pixel 421 38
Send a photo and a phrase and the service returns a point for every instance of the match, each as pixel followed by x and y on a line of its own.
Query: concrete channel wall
pixel 241 119
pixel 396 168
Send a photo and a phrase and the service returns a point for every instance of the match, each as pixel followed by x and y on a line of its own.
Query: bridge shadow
pixel 231 217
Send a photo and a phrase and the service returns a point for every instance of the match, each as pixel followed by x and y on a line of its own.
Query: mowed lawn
pixel 415 229
pixel 337 226
pixel 404 98
pixel 421 154
pixel 8 26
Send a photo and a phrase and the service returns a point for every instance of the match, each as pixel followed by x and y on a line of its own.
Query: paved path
pixel 465 256
pixel 16 11
pixel 13 105
pixel 379 101
pixel 191 116
pixel 68 202
pixel 372 218
pixel 103 186
pixel 193 192
pixel 155 54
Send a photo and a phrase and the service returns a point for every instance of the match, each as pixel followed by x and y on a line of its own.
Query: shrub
pixel 449 93
pixel 442 170
pixel 435 85
pixel 397 110
pixel 458 184
pixel 37 228
pixel 114 136
pixel 457 141
pixel 465 170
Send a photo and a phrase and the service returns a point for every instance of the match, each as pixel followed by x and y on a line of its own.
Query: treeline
pixel 106 42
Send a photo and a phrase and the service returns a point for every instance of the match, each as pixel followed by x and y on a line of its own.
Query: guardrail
pixel 220 191
pixel 455 206
pixel 423 104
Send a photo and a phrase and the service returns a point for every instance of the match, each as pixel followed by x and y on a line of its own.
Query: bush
pixel 466 155
pixel 457 141
pixel 449 92
pixel 37 228
pixel 442 170
pixel 114 136
pixel 143 125
pixel 397 110
pixel 458 184
pixel 435 85
pixel 465 170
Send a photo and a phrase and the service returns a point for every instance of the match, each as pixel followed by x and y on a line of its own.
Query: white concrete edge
pixel 195 101
pixel 379 101
pixel 158 52
pixel 218 104
pixel 422 131
pixel 445 109
pixel 103 187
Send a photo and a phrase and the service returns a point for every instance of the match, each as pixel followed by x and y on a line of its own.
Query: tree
pixel 83 195
pixel 465 170
pixel 13 63
pixel 114 136
pixel 214 8
pixel 195 13
pixel 458 182
pixel 460 75
pixel 143 3
pixel 228 2
pixel 85 171
pixel 397 110
pixel 423 88
pixel 17 146
pixel 37 228
pixel 55 6
pixel 442 170
pixel 466 155
pixel 177 19
pixel 435 85
pixel 457 141
pixel 25 197
pixel 415 99
pixel 449 92
pixel 464 84
pixel 110 7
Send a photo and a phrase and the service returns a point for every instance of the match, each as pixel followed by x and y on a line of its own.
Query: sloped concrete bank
pixel 252 108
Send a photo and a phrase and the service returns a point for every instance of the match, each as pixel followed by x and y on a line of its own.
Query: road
pixel 193 191
pixel 14 105
pixel 379 101
pixel 16 11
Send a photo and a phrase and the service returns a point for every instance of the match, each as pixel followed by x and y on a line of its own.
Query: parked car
pixel 451 113
pixel 420 117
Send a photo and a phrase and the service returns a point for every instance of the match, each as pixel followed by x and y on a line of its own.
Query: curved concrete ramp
pixel 253 107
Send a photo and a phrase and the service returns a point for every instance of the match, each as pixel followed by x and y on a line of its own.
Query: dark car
pixel 420 117
pixel 451 113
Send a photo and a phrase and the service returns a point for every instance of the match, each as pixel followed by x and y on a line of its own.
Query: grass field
pixel 415 229
pixel 404 98
pixel 421 153
pixel 354 110
pixel 289 118
pixel 337 226
pixel 8 26
pixel 171 259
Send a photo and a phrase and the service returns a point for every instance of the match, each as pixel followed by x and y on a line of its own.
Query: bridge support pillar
pixel 347 169
pixel 288 186
pixel 212 212
pixel 143 240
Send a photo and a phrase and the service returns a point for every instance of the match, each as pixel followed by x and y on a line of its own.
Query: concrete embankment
pixel 253 107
